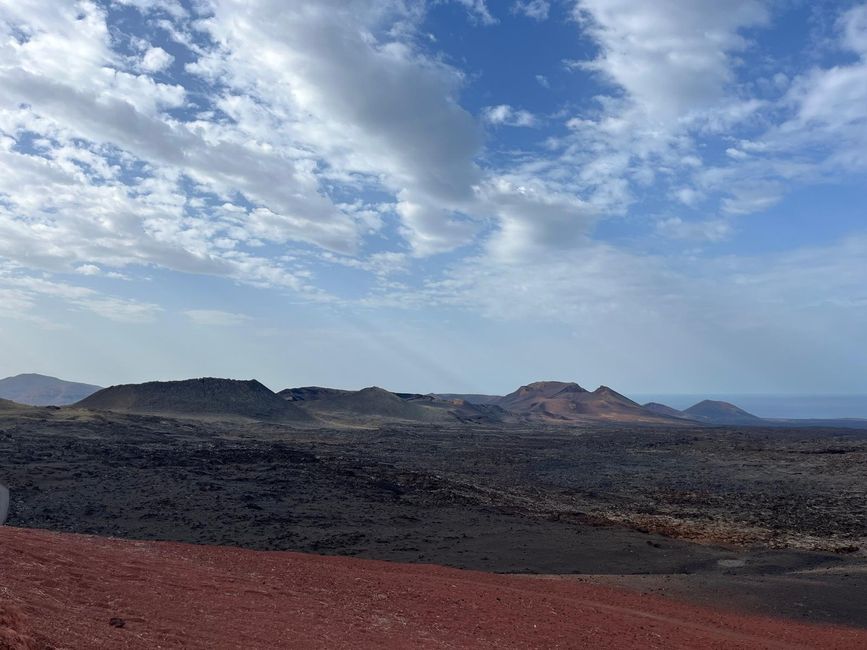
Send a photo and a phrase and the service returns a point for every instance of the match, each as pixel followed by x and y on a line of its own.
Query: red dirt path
pixel 62 590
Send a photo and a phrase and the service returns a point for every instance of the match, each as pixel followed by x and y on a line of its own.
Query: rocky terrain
pixel 780 513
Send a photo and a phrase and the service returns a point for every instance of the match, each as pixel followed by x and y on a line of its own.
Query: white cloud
pixel 156 59
pixel 215 317
pixel 854 27
pixel 537 9
pixel 689 196
pixel 328 133
pixel 88 269
pixel 120 310
pixel 711 230
pixel 172 7
pixel 828 104
pixel 747 198
pixel 672 68
pixel 25 291
pixel 430 229
pixel 686 316
pixel 505 115
pixel 119 182
pixel 14 302
pixel 372 108
pixel 382 264
pixel 535 219
pixel 478 9
pixel 671 57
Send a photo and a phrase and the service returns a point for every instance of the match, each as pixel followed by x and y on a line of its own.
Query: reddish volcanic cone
pixel 73 591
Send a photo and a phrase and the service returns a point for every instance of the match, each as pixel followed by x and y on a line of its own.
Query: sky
pixel 440 195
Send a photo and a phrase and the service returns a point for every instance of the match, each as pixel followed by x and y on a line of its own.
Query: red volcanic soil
pixel 73 591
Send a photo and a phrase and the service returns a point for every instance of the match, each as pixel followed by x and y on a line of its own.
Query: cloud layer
pixel 353 155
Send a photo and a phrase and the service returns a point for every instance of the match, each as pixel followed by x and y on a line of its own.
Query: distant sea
pixel 774 406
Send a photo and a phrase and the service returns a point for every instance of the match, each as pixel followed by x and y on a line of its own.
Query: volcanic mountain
pixel 378 405
pixel 472 398
pixel 311 393
pixel 713 412
pixel 208 397
pixel 41 390
pixel 461 407
pixel 372 402
pixel 662 409
pixel 557 400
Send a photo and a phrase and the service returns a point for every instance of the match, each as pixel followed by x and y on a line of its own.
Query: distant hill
pixel 567 401
pixel 466 411
pixel 310 393
pixel 378 405
pixel 41 390
pixel 7 405
pixel 718 413
pixel 372 402
pixel 662 409
pixel 460 408
pixel 538 393
pixel 472 398
pixel 714 412
pixel 200 397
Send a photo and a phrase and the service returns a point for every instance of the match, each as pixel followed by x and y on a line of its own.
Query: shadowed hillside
pixel 662 409
pixel 472 398
pixel 203 397
pixel 462 409
pixel 377 405
pixel 7 405
pixel 372 402
pixel 311 393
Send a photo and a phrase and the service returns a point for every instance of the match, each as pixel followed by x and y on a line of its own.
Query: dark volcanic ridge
pixel 41 390
pixel 473 398
pixel 208 397
pixel 549 402
pixel 311 393
pixel 367 402
pixel 377 404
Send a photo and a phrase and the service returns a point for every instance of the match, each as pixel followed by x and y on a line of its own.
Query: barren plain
pixel 767 521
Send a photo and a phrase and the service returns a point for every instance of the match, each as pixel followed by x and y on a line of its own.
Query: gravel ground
pixel 725 505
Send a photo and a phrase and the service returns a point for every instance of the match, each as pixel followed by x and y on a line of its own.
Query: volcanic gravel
pixel 777 513
pixel 62 590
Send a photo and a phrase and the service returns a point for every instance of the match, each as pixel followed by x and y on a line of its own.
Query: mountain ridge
pixel 545 401
pixel 34 389
pixel 568 401
pixel 205 396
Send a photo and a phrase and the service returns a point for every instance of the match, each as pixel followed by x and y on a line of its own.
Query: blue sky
pixel 447 195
